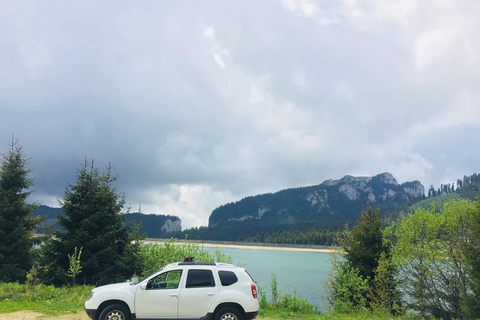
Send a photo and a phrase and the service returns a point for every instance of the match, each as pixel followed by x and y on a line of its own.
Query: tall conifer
pixel 16 222
pixel 94 221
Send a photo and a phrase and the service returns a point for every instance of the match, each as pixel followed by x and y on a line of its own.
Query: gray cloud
pixel 198 104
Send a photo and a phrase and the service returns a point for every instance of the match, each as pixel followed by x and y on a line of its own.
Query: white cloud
pixel 289 5
pixel 191 203
pixel 308 7
pixel 209 31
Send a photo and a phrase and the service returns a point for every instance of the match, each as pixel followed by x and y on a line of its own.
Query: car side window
pixel 200 279
pixel 227 278
pixel 166 280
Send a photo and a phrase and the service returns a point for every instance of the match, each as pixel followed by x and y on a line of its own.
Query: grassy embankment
pixel 41 298
pixel 53 301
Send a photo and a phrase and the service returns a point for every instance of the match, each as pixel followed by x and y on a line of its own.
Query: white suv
pixel 185 290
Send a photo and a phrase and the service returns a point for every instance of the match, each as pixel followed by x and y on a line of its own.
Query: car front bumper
pixel 91 313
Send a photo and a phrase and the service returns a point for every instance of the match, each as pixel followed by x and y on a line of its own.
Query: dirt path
pixel 30 315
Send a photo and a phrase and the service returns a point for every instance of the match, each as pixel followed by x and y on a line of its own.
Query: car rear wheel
pixel 115 312
pixel 228 314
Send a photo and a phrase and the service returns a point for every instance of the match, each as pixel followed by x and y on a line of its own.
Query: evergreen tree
pixel 16 221
pixel 93 220
pixel 363 245
pixel 383 294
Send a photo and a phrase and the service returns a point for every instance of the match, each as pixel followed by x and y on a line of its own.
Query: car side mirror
pixel 143 286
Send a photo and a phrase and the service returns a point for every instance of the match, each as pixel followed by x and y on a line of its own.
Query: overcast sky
pixel 200 103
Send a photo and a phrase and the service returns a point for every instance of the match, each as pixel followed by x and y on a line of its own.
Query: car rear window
pixel 200 279
pixel 227 278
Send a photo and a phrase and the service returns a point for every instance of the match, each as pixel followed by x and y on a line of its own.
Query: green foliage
pixel 263 302
pixel 346 289
pixel 74 267
pixel 294 303
pixel 42 298
pixel 155 256
pixel 364 244
pixel 363 276
pixel 285 303
pixel 471 251
pixel 93 220
pixel 383 293
pixel 435 202
pixel 430 256
pixel 274 288
pixel 16 222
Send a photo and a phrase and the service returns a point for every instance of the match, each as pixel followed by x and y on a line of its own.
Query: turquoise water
pixel 305 272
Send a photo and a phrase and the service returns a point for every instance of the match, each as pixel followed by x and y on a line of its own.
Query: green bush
pixel 294 303
pixel 155 255
pixel 348 290
pixel 286 303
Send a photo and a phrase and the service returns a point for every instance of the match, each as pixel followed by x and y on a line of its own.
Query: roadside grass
pixel 48 300
pixel 58 301
pixel 281 314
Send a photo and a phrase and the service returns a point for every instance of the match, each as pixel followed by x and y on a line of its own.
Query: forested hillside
pixel 329 204
pixel 468 191
pixel 153 225
pixel 307 215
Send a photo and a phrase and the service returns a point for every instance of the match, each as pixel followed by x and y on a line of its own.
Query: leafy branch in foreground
pixel 74 267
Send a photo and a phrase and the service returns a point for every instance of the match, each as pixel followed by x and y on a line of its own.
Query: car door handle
pixel 173 295
pixel 210 294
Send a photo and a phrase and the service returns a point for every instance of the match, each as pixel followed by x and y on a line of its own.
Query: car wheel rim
pixel 115 315
pixel 228 316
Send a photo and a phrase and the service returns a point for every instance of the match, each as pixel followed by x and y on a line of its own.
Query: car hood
pixel 114 287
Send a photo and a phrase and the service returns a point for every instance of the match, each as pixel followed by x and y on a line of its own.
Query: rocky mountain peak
pixel 387 178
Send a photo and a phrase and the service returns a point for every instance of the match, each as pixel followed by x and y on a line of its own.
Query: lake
pixel 305 272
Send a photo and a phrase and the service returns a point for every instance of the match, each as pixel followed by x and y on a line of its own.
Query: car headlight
pixel 90 295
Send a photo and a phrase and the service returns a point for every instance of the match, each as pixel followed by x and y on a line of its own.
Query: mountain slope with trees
pixel 307 215
pixel 152 225
pixel 466 188
pixel 332 203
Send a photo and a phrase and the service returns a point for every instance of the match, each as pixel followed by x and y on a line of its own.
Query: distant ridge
pixel 330 203
pixel 154 226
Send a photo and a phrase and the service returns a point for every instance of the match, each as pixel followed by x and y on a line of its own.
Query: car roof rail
pixel 197 264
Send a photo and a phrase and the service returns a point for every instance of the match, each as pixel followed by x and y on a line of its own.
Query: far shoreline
pixel 244 245
pixel 250 245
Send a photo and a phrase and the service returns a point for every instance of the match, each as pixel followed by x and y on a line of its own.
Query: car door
pixel 199 293
pixel 159 298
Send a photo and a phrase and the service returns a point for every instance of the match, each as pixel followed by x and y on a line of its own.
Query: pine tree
pixel 459 183
pixel 94 221
pixel 383 294
pixel 364 244
pixel 16 221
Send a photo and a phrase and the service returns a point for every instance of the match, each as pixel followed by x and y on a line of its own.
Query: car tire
pixel 228 314
pixel 115 312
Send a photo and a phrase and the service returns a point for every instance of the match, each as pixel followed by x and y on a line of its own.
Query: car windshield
pixel 137 280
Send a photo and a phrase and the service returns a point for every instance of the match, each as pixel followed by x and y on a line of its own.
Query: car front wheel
pixel 228 314
pixel 115 312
